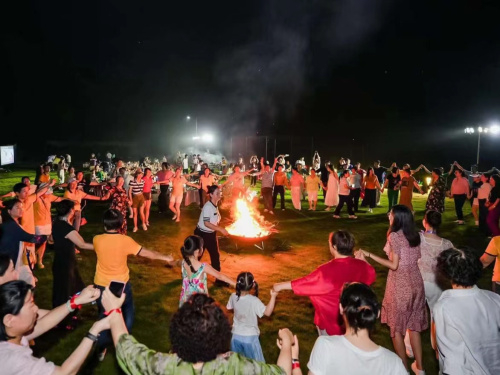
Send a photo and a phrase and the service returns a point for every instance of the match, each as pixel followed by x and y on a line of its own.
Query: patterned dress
pixel 119 201
pixel 197 283
pixel 435 201
pixel 404 299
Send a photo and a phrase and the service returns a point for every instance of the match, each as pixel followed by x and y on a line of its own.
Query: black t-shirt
pixel 62 245
pixel 475 187
pixel 379 172
pixel 393 181
pixel 494 194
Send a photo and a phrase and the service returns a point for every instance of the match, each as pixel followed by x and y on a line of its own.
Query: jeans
pixel 392 196
pixel 459 204
pixel 267 195
pixel 128 312
pixel 249 346
pixel 279 189
pixel 355 194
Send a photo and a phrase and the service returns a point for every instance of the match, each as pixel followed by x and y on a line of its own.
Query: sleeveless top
pixel 197 283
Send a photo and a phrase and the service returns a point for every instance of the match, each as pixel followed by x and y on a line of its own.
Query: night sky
pixel 401 78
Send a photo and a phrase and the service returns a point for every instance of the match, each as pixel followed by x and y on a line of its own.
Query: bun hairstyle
pixel 360 305
pixel 211 189
pixel 433 218
pixel 245 282
pixel 191 244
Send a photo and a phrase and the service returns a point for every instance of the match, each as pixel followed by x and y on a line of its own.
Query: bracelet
pixel 92 337
pixel 72 303
pixel 118 310
pixel 68 306
pixel 295 365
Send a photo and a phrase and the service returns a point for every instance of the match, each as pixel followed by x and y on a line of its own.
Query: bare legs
pixel 147 208
pixel 40 251
pixel 141 213
pixel 175 207
pixel 416 345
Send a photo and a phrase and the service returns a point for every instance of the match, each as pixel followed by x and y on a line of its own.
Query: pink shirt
pixel 148 184
pixel 18 359
pixel 460 185
pixel 296 180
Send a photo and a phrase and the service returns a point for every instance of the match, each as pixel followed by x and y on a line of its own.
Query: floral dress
pixel 435 201
pixel 197 283
pixel 120 202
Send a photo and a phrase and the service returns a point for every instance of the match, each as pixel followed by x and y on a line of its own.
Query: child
pixel 247 308
pixel 194 273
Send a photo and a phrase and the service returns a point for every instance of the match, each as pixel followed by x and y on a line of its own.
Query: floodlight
pixel 495 129
pixel 196 138
pixel 188 117
pixel 480 129
pixel 207 137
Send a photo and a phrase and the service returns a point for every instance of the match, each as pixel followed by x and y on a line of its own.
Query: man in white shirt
pixel 467 318
pixel 355 180
pixel 185 164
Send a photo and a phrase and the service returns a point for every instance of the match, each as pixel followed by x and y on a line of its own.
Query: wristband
pixel 92 337
pixel 69 307
pixel 295 365
pixel 72 303
pixel 118 310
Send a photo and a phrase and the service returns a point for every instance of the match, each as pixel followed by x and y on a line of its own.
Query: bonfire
pixel 248 222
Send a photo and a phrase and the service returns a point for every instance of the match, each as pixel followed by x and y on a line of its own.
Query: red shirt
pixel 324 286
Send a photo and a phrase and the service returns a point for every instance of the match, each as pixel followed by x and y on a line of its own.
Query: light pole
pixel 196 126
pixel 494 129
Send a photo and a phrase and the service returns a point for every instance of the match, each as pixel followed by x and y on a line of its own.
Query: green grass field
pixel 298 249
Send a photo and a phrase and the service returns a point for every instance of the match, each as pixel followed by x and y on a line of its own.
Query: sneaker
pixel 460 222
pixel 353 217
pixel 101 355
pixel 144 226
pixel 175 217
pixel 416 370
pixel 370 210
pixel 147 223
pixel 282 209
pixel 134 230
pixel 336 216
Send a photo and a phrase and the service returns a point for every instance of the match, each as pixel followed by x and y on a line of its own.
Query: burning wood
pixel 248 222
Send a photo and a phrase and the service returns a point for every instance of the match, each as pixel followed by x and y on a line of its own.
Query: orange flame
pixel 247 221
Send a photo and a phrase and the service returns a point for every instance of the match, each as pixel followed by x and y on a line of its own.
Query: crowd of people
pixel 426 272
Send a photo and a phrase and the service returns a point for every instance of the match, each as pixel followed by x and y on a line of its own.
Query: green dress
pixel 137 359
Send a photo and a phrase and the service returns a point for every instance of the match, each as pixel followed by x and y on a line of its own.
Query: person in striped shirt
pixel 135 193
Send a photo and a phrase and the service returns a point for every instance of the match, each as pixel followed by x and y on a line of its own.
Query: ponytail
pixel 186 259
pixel 244 283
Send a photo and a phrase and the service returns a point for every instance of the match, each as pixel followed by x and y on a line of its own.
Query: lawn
pixel 299 247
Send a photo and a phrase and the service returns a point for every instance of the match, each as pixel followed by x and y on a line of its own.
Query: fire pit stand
pixel 255 241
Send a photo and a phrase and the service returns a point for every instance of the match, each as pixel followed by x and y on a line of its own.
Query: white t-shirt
pixel 185 163
pixel 335 354
pixel 467 331
pixel 19 360
pixel 344 186
pixel 246 311
pixel 209 213
pixel 484 191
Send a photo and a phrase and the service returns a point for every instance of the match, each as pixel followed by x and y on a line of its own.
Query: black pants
pixel 279 189
pixel 203 197
pixel 163 198
pixel 483 214
pixel 253 180
pixel 459 204
pixel 344 199
pixel 267 195
pixel 355 194
pixel 370 197
pixel 211 244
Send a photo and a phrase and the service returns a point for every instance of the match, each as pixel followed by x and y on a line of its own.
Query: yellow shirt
pixel 494 250
pixel 75 196
pixel 42 209
pixel 312 184
pixel 112 250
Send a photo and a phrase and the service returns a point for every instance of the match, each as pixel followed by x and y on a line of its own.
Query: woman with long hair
pixel 355 352
pixel 370 184
pixel 332 188
pixel 404 298
pixel 437 195
pixel 460 189
pixel 66 278
pixel 177 194
pixel 493 205
pixel 148 179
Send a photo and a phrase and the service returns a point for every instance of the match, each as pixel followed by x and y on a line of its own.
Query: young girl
pixel 247 308
pixel 194 272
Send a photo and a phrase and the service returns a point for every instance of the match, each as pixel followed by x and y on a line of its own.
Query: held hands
pixel 110 301
pixel 87 295
pixel 224 232
pixel 274 293
pixel 285 338
pixel 361 254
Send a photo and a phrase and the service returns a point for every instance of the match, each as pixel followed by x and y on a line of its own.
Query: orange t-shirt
pixel 44 178
pixel 371 182
pixel 112 250
pixel 75 196
pixel 42 209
